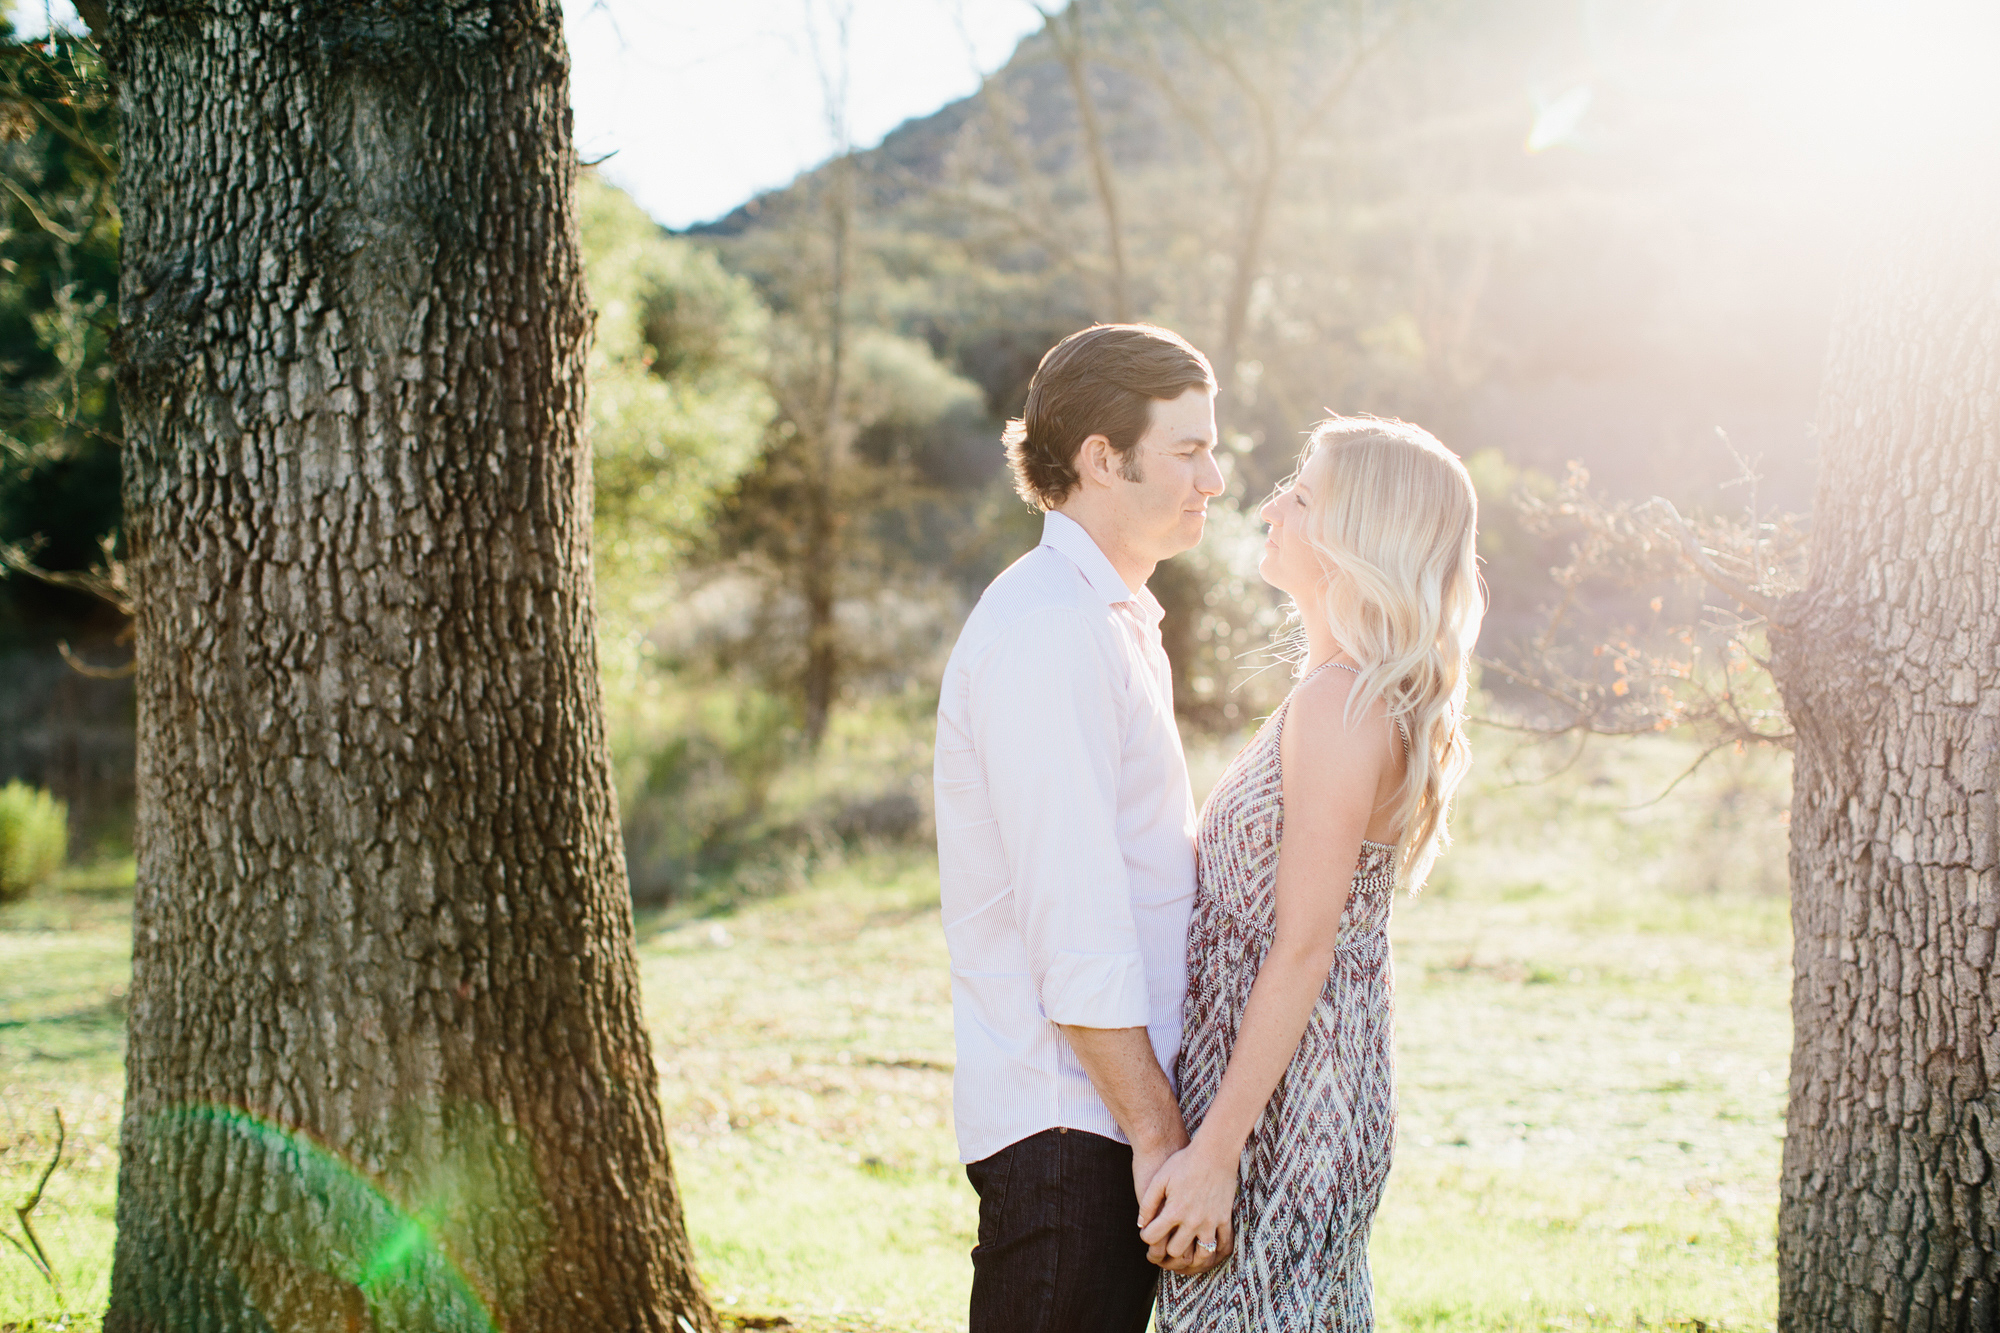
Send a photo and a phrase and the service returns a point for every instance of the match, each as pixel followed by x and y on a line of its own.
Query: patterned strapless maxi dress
pixel 1315 1163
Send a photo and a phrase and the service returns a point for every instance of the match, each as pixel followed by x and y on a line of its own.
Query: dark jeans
pixel 1059 1248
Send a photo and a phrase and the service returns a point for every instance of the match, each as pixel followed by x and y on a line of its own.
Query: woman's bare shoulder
pixel 1317 724
pixel 1320 704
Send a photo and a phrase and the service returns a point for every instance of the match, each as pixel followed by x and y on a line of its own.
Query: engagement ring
pixel 1208 1245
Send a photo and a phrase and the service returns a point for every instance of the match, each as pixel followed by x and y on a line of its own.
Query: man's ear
pixel 1096 461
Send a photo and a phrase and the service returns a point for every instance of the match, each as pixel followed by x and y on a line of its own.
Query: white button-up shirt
pixel 1065 838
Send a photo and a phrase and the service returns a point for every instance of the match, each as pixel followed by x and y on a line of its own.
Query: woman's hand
pixel 1186 1209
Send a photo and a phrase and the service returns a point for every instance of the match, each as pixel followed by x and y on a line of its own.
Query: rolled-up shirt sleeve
pixel 1047 704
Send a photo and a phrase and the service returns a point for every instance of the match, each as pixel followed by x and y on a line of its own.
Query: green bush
pixel 703 803
pixel 34 835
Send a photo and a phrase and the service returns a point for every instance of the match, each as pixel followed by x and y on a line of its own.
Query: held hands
pixel 1149 1155
pixel 1186 1208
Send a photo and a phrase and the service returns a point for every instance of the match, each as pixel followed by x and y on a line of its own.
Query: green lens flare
pixel 397 1248
pixel 320 1213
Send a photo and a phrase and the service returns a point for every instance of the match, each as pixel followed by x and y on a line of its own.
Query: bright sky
pixel 706 102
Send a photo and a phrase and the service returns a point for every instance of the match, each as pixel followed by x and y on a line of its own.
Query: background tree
pixel 1872 651
pixel 680 409
pixel 857 406
pixel 386 1058
pixel 1276 72
pixel 63 724
pixel 678 403
pixel 1889 661
pixel 59 230
pixel 1547 232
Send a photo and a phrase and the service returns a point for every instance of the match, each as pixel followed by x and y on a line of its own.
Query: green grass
pixel 805 1054
pixel 65 957
pixel 1593 1026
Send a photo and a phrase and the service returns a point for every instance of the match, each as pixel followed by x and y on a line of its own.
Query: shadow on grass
pixel 734 1320
pixel 763 876
pixel 108 1012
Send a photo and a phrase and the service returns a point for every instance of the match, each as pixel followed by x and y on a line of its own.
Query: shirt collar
pixel 1068 536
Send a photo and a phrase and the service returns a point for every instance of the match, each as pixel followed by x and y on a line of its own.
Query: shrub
pixel 34 835
pixel 704 800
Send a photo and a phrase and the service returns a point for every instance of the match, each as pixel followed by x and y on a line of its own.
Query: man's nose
pixel 1208 477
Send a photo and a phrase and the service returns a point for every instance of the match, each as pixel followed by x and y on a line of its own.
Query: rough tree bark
pixel 1890 665
pixel 387 1065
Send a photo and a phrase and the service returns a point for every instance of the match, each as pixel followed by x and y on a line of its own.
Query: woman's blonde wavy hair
pixel 1393 515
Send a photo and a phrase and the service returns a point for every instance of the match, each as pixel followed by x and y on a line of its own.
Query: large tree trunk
pixel 387 1066
pixel 1890 665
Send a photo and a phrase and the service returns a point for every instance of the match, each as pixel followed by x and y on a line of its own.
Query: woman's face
pixel 1290 564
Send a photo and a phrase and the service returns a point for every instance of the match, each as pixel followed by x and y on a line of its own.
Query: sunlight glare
pixel 1881 85
pixel 1556 122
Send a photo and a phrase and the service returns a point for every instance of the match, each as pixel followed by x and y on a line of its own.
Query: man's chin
pixel 1183 538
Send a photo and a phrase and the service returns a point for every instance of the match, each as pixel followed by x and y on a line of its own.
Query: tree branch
pixel 83 668
pixel 75 99
pixel 1066 32
pixel 1337 88
pixel 1671 523
pixel 60 233
pixel 33 1251
pixel 107 582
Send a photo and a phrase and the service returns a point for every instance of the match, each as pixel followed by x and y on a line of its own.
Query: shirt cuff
pixel 1096 990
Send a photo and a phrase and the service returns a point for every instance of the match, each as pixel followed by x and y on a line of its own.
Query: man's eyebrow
pixel 1199 441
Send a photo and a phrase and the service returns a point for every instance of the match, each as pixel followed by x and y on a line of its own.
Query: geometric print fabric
pixel 1314 1166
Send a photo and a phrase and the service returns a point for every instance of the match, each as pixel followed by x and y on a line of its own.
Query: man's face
pixel 1169 476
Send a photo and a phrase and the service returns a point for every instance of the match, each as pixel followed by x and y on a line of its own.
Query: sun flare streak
pixel 404 1269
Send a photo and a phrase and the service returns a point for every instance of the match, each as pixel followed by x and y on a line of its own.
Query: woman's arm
pixel 1331 775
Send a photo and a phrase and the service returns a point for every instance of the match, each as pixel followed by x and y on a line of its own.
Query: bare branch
pixel 1338 87
pixel 1154 69
pixel 83 668
pixel 32 1250
pixel 1656 678
pixel 107 581
pixel 48 225
pixel 1581 705
pixel 999 107
pixel 72 97
pixel 1683 776
pixel 1671 522
pixel 1066 32
pixel 1025 225
pixel 1217 53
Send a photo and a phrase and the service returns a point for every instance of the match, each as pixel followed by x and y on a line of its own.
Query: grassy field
pixel 1593 1027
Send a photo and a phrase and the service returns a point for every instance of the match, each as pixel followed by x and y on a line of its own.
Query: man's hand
pixel 1148 1158
pixel 1135 1089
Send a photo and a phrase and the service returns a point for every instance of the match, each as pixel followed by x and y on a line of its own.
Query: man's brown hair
pixel 1098 381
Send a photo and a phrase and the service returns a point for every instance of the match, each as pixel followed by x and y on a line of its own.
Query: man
pixel 1065 839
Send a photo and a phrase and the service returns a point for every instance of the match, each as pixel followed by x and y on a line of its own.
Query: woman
pixel 1285 1071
